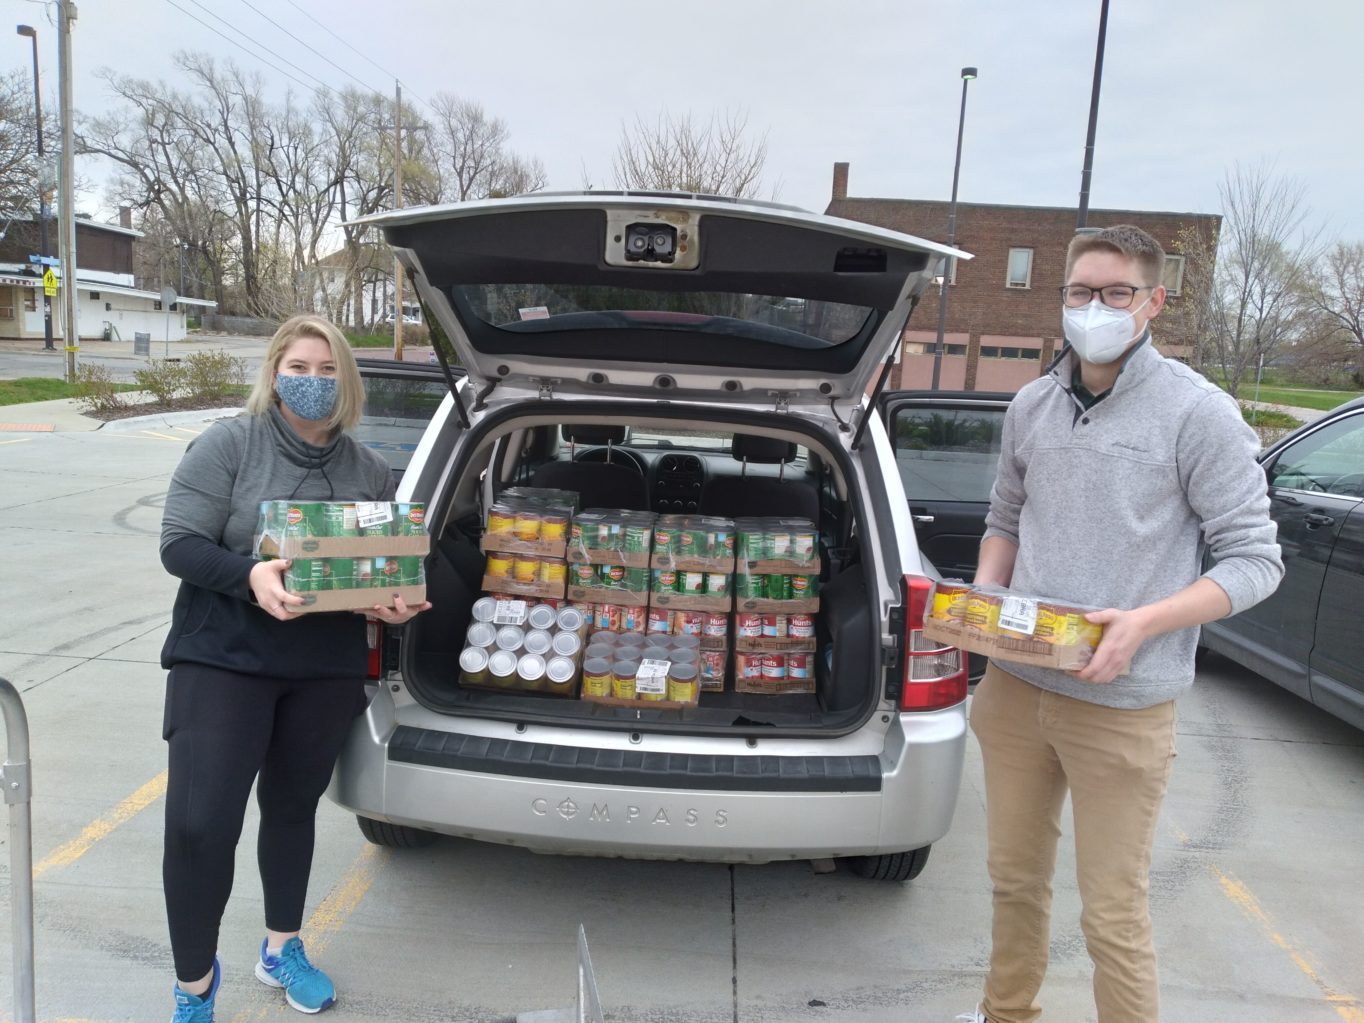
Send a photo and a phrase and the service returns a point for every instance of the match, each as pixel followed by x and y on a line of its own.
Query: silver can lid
pixel 502 663
pixel 484 609
pixel 538 641
pixel 482 634
pixel 566 644
pixel 541 616
pixel 570 619
pixel 473 659
pixel 560 670
pixel 531 667
pixel 510 637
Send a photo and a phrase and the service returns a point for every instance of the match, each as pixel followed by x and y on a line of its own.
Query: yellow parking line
pixel 345 895
pixel 21 440
pixel 188 430
pixel 1348 1007
pixel 69 853
pixel 163 436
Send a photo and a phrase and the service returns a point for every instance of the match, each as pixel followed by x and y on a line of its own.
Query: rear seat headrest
pixel 768 450
pixel 592 433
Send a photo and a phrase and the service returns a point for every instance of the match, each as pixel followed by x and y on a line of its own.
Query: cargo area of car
pixel 511 451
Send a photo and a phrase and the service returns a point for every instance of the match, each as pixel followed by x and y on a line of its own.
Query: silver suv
pixel 675 354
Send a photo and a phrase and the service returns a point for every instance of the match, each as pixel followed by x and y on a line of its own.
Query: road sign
pixel 49 283
pixel 45 260
pixel 168 298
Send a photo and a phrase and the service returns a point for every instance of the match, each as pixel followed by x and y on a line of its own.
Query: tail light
pixel 935 676
pixel 374 639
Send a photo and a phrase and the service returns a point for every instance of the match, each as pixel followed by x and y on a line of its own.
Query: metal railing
pixel 14 776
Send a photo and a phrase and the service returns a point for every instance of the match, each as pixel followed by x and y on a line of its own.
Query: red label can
pixel 774 627
pixel 608 617
pixel 660 621
pixel 798 666
pixel 715 625
pixel 774 667
pixel 800 626
pixel 748 625
pixel 688 623
pixel 748 666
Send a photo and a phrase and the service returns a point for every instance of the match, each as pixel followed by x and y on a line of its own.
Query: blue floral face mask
pixel 311 398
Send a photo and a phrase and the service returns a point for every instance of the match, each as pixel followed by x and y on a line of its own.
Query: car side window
pixel 397 411
pixel 1327 461
pixel 947 454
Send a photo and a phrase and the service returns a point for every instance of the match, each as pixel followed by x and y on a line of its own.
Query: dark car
pixel 1307 636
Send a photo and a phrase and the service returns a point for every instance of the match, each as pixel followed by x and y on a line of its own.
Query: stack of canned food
pixel 693 584
pixel 711 628
pixel 285 521
pixel 795 541
pixel 525 541
pixel 681 540
pixel 789 671
pixel 600 535
pixel 635 668
pixel 776 586
pixel 537 648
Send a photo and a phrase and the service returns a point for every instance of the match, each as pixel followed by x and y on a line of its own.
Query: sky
pixel 1190 88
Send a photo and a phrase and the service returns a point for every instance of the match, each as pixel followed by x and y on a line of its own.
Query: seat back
pixel 750 496
pixel 611 484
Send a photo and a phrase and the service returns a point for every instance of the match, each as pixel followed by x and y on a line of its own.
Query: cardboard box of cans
pixel 347 555
pixel 693 543
pixel 514 644
pixel 777 568
pixel 531 521
pixel 525 575
pixel 995 622
pixel 631 669
pixel 775 673
pixel 604 536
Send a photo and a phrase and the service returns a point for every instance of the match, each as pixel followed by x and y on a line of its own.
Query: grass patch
pixel 26 389
pixel 1298 397
pixel 1269 418
pixel 370 341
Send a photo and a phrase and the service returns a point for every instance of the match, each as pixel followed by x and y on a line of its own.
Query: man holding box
pixel 1114 468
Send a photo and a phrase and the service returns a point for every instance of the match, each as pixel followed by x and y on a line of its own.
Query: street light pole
pixel 32 33
pixel 66 218
pixel 1082 216
pixel 967 75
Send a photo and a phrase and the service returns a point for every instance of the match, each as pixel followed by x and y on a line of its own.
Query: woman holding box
pixel 256 689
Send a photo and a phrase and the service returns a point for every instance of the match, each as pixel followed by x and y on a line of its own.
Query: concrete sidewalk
pixel 61 415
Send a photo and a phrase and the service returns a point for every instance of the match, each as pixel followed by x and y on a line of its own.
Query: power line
pixel 244 49
pixel 307 46
pixel 366 56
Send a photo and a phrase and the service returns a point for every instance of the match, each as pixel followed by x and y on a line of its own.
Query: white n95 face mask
pixel 1097 332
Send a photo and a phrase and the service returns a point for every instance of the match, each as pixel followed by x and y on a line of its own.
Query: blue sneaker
pixel 198 1008
pixel 306 988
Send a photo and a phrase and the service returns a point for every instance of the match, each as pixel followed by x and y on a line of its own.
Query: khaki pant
pixel 1116 764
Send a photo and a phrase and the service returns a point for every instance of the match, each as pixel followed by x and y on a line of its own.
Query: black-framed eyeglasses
pixel 1115 296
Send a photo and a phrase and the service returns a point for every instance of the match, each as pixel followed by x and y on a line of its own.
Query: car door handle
pixel 923 520
pixel 1316 518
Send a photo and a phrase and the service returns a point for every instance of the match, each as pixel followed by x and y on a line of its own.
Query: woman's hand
pixel 397 614
pixel 267 586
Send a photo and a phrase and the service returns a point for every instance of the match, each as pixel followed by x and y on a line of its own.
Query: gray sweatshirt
pixel 1112 507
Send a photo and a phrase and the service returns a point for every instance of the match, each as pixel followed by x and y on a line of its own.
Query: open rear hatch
pixel 632 293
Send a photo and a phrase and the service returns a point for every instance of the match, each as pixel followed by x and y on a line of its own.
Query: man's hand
pixel 1124 632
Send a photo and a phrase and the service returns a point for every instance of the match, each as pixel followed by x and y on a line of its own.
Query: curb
pixel 168 419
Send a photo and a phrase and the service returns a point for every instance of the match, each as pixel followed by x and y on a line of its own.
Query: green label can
pixel 362 573
pixel 778 587
pixel 751 544
pixel 304 518
pixel 412 572
pixel 637 539
pixel 803 586
pixel 339 519
pixel 663 580
pixel 411 519
pixel 692 583
pixel 750 586
pixel 306 575
pixel 341 573
pixel 717 584
pixel 636 579
pixel 387 573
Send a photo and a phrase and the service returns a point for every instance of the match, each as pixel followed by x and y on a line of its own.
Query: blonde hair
pixel 1126 240
pixel 350 389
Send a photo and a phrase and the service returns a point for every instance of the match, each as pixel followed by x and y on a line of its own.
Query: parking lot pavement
pixel 1256 884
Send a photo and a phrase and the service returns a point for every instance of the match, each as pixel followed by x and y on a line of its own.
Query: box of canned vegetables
pixel 694 543
pixel 608 536
pixel 608 584
pixel 992 621
pixel 775 593
pixel 688 590
pixel 525 575
pixel 772 546
pixel 347 555
pixel 525 523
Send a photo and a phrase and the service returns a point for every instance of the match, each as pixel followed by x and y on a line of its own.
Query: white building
pixel 108 306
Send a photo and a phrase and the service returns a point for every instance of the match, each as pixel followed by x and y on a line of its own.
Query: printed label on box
pixel 373 513
pixel 1018 614
pixel 510 612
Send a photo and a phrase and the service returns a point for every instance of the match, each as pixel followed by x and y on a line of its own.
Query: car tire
pixel 394 836
pixel 905 866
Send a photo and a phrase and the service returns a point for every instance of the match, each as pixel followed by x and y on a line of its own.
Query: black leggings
pixel 224 728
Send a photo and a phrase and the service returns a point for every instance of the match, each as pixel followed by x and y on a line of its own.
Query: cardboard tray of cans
pixel 607 595
pixel 770 673
pixel 770 546
pixel 704 625
pixel 525 520
pixel 804 605
pixel 693 543
pixel 510 545
pixel 611 536
pixel 672 601
pixel 538 588
pixel 1009 626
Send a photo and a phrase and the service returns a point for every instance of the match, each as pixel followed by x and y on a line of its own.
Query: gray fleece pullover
pixel 1112 507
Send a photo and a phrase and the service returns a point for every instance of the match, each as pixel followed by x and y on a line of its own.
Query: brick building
pixel 1003 309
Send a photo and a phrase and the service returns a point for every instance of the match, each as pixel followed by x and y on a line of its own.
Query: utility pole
pixel 1083 216
pixel 398 204
pixel 66 14
pixel 44 178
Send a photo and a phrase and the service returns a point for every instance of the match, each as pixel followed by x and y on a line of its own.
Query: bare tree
pixel 1336 291
pixel 678 155
pixel 18 146
pixel 472 158
pixel 1247 299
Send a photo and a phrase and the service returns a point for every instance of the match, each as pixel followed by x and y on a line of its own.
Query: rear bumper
pixel 702 799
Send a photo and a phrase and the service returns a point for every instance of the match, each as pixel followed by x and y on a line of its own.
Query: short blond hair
pixel 1126 240
pixel 350 389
